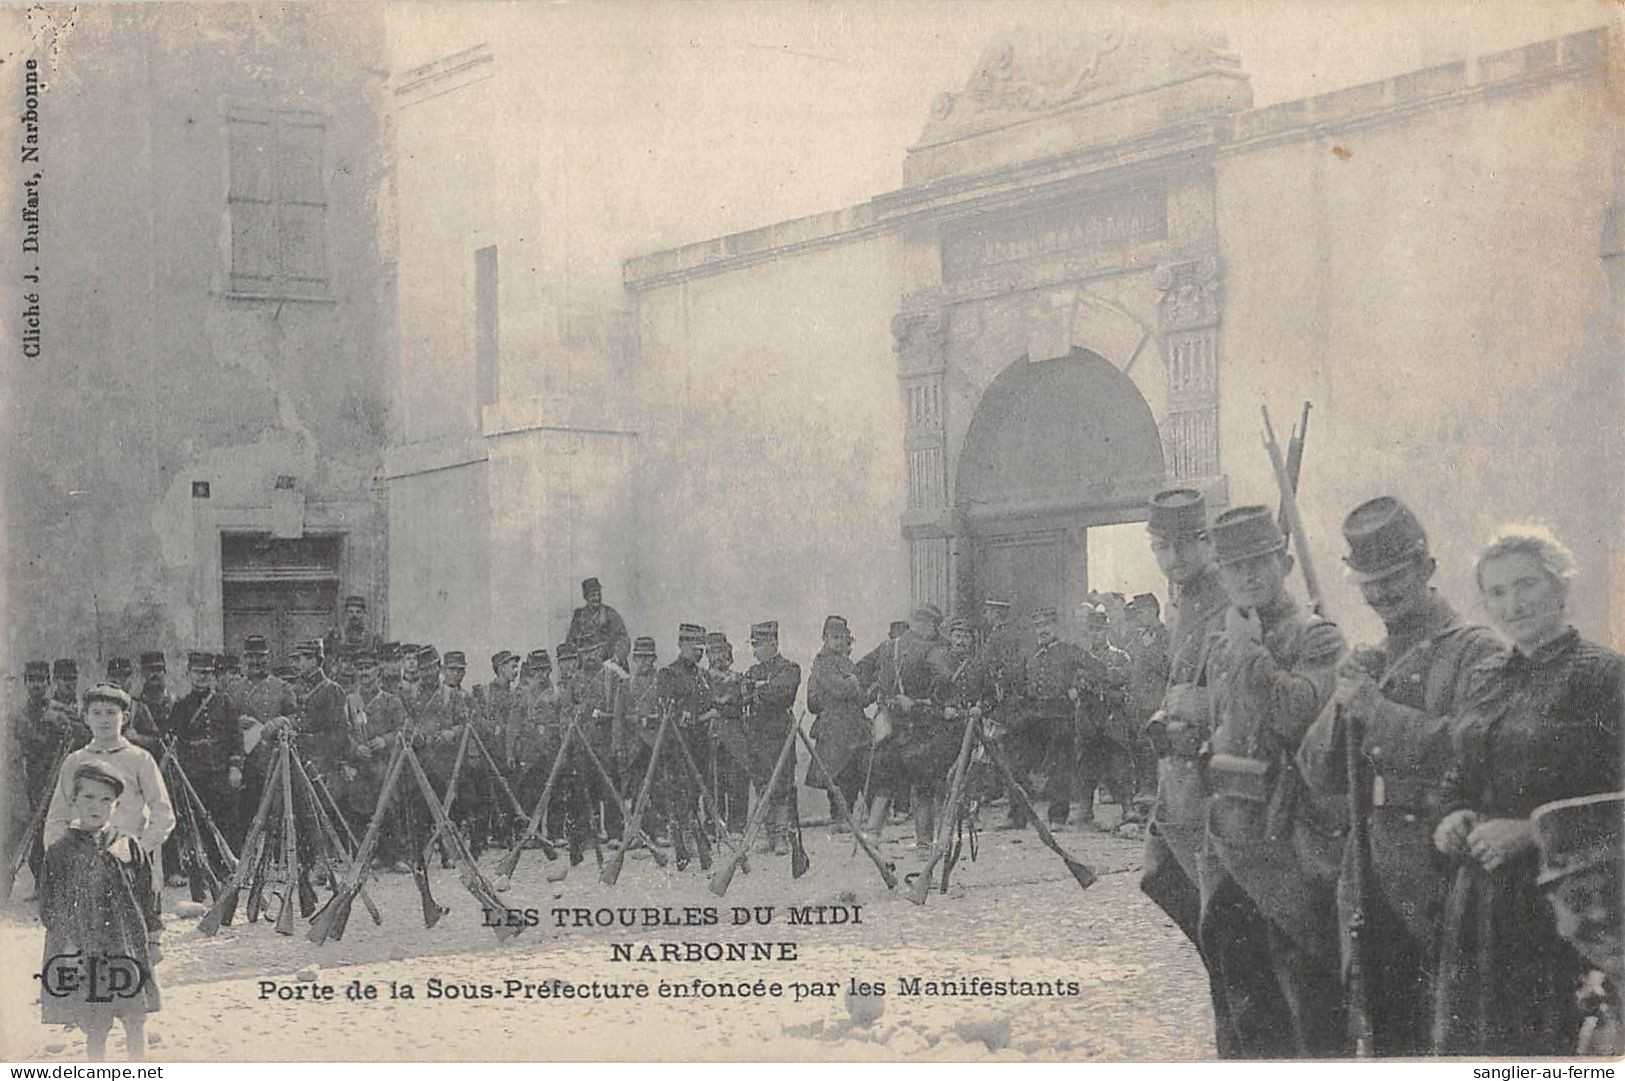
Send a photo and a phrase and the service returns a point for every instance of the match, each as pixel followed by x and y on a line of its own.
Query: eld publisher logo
pixel 99 977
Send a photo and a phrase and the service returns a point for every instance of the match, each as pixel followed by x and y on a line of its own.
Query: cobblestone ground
pixel 1012 914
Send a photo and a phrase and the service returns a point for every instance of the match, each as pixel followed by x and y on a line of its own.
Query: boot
pixel 876 826
pixel 1060 810
pixel 924 821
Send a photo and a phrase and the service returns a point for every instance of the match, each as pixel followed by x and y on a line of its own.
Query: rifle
pixel 290 844
pixel 225 906
pixel 451 796
pixel 921 886
pixel 36 821
pixel 473 880
pixel 536 824
pixel 632 828
pixel 1294 465
pixel 228 857
pixel 1359 1005
pixel 507 790
pixel 201 879
pixel 725 875
pixel 800 862
pixel 838 799
pixel 331 920
pixel 708 801
pixel 614 791
pixel 1082 872
pixel 334 844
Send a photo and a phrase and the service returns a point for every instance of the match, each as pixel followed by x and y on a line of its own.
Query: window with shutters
pixel 277 202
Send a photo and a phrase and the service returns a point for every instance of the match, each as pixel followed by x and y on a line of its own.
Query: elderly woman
pixel 1542 723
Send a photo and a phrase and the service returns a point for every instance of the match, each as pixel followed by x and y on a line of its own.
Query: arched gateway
pixel 1053 448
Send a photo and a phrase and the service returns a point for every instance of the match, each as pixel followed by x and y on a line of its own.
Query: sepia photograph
pixel 812 531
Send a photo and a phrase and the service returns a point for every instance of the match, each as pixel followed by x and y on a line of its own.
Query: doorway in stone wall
pixel 1055 448
pixel 285 589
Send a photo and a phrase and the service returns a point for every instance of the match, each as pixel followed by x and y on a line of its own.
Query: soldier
pixel 770 687
pixel 568 671
pixel 209 747
pixel 389 668
pixel 411 690
pixel 730 755
pixel 1104 731
pixel 597 620
pixel 1042 732
pixel 532 735
pixel 360 780
pixel 1148 679
pixel 593 699
pixel 64 703
pixel 154 696
pixel 476 806
pixel 637 709
pixel 684 688
pixel 1119 627
pixel 1178 529
pixel 1403 694
pixel 258 697
pixel 914 758
pixel 322 723
pixel 351 634
pixel 139 727
pixel 39 738
pixel 1580 861
pixel 230 669
pixel 1270 672
pixel 493 701
pixel 840 731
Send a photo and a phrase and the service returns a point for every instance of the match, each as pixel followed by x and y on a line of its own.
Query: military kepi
pixel 37 670
pixel 644 646
pixel 765 631
pixel 1577 834
pixel 1384 538
pixel 690 634
pixel 199 661
pixel 1245 533
pixel 835 625
pixel 1178 514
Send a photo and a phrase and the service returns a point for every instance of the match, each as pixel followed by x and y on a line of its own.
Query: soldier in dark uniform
pixel 229 669
pixel 1104 730
pixel 259 697
pixel 139 727
pixel 770 687
pixel 730 747
pixel 1580 853
pixel 593 699
pixel 908 762
pixel 389 668
pixel 411 689
pixel 478 806
pixel 1179 729
pixel 636 711
pixel 64 704
pixel 684 688
pixel 840 731
pixel 532 731
pixel 1403 694
pixel 209 747
pixel 598 621
pixel 39 737
pixel 1148 679
pixel 358 786
pixel 1266 872
pixel 1043 730
pixel 351 635
pixel 493 701
pixel 154 696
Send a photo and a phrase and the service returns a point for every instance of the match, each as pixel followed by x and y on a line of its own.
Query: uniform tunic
pixel 840 730
pixel 768 722
pixel 1536 728
pixel 602 624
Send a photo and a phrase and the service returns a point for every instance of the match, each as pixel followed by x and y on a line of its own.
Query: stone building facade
pixel 195 454
pixel 1101 262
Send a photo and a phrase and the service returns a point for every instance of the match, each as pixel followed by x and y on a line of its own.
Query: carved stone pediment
pixel 1029 70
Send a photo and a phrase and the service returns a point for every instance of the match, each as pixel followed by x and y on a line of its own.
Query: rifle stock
pixel 724 878
pixel 921 887
pixel 225 906
pixel 632 827
pixel 1080 871
pixel 290 847
pixel 36 824
pixel 838 799
pixel 1359 836
pixel 332 919
pixel 536 824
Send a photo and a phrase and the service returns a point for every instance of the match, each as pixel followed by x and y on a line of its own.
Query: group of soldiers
pixel 1405 849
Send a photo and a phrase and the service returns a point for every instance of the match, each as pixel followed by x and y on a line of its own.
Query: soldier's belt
pixel 1243 778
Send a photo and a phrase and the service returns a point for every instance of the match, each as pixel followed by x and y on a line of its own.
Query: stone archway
pixel 1053 448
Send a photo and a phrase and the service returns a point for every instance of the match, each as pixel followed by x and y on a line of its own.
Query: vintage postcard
pixel 840 531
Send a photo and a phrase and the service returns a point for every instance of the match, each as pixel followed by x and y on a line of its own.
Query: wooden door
pixel 1028 569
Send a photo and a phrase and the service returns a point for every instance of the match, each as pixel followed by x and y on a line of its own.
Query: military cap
pixel 37 670
pixel 65 668
pixel 409 649
pixel 455 658
pixel 1577 834
pixel 500 658
pixel 717 639
pixel 589 586
pixel 356 600
pixel 690 632
pixel 92 770
pixel 538 658
pixel 928 611
pixel 153 659
pixel 1144 600
pixel 835 624
pixel 255 645
pixel 994 602
pixel 366 658
pixel 1043 616
pixel 898 628
pixel 389 651
pixel 428 656
pixel 109 692
pixel 199 661
pixel 1384 537
pixel 566 651
pixel 960 623
pixel 765 631
pixel 1178 514
pixel 644 646
pixel 1244 533
pixel 229 662
pixel 307 648
pixel 1095 615
pixel 285 671
pixel 119 667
